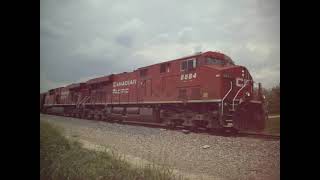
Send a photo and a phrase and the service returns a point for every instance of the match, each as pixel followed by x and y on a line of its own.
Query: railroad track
pixel 260 136
pixel 200 131
pixel 203 131
pixel 239 134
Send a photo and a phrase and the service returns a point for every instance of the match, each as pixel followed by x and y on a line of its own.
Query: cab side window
pixel 184 65
pixel 165 67
pixel 192 64
pixel 188 65
pixel 143 72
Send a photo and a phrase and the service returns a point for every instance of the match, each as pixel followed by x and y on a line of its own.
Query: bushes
pixel 272 99
pixel 64 159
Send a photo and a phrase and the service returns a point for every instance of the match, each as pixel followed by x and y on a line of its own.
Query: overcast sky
pixel 83 39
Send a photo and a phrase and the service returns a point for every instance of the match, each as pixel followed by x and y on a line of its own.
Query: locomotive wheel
pixel 259 117
pixel 104 118
pixel 230 131
pixel 193 128
pixel 94 116
pixel 83 116
pixel 107 119
pixel 98 117
pixel 170 125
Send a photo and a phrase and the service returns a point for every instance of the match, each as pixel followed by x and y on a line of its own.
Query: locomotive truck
pixel 205 90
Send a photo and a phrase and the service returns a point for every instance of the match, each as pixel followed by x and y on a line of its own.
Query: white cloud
pixel 47 84
pixel 168 51
pixel 53 29
pixel 259 49
pixel 96 47
pixel 269 77
pixel 86 38
pixel 133 24
pixel 184 31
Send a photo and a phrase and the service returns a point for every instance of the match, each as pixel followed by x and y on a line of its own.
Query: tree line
pixel 273 99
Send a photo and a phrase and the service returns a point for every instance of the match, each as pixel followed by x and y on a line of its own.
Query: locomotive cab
pixel 244 105
pixel 241 108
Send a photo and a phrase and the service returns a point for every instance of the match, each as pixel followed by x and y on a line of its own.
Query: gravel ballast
pixel 222 157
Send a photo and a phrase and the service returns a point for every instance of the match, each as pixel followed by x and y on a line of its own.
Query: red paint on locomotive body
pixel 209 77
pixel 167 82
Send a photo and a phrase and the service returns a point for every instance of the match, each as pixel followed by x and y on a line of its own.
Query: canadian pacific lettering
pixel 124 83
pixel 120 91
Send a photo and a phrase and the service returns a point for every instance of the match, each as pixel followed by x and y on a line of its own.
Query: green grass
pixel 274 114
pixel 273 126
pixel 61 159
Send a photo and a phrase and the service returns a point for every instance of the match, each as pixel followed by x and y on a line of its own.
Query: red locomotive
pixel 205 90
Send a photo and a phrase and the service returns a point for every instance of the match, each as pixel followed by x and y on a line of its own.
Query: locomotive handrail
pixel 244 85
pixel 83 100
pixel 225 97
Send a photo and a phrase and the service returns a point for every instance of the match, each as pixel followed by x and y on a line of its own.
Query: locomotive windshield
pixel 211 60
pixel 188 64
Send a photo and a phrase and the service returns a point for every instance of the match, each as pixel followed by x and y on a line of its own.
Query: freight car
pixel 204 90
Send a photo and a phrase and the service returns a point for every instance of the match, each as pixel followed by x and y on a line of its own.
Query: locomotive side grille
pixel 195 93
pixel 182 94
